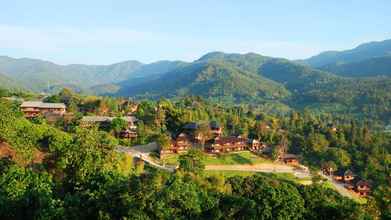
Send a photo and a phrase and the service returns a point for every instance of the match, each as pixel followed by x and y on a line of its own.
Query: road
pixel 143 151
pixel 339 187
pixel 143 155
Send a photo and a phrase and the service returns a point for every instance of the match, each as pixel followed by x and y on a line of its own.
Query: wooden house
pixel 33 109
pixel 363 187
pixel 255 145
pixel 344 176
pixel 348 176
pixel 215 129
pixel 290 159
pixel 226 144
pixel 180 144
pixel 105 122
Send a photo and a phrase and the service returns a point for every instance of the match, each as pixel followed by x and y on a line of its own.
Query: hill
pixel 360 53
pixel 369 67
pixel 8 83
pixel 210 78
pixel 37 75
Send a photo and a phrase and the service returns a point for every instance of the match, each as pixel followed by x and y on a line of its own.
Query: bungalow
pixel 348 176
pixel 344 176
pixel 328 170
pixel 216 129
pixel 33 109
pixel 226 144
pixel 363 187
pixel 104 121
pixel 290 159
pixel 255 145
pixel 88 121
pixel 180 144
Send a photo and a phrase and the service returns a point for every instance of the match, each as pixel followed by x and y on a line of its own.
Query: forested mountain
pixel 231 78
pixel 37 75
pixel 362 52
pixel 8 83
pixel 216 79
pixel 369 67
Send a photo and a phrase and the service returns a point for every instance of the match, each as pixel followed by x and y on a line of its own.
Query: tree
pixel 118 125
pixel 163 141
pixel 192 161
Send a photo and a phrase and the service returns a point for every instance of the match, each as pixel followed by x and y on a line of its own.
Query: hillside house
pixel 33 109
pixel 180 144
pixel 255 145
pixel 344 176
pixel 226 144
pixel 290 159
pixel 105 122
pixel 215 129
pixel 363 187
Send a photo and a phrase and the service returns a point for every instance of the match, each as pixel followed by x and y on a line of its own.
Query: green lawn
pixel 279 176
pixel 244 157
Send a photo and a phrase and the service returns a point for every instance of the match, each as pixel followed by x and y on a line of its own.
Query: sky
pixel 104 32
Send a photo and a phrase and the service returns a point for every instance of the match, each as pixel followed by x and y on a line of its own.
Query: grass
pixel 238 158
pixel 280 176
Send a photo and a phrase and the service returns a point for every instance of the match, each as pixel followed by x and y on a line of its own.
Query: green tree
pixel 192 161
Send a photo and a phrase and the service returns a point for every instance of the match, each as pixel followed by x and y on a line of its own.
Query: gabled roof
pixel 348 173
pixel 107 119
pixel 214 125
pixel 39 104
pixel 290 156
pixel 191 126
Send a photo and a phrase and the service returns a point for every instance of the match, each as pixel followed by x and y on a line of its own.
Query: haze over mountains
pixel 330 78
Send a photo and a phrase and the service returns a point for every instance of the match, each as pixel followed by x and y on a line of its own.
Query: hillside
pixel 369 67
pixel 37 75
pixel 362 52
pixel 216 79
pixel 8 83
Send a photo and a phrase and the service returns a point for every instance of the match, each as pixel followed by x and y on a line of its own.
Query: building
pixel 35 108
pixel 226 144
pixel 256 145
pixel 290 159
pixel 88 121
pixel 215 129
pixel 344 176
pixel 180 144
pixel 363 187
pixel 105 122
pixel 348 176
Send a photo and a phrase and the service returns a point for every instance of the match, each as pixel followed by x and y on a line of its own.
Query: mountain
pixel 365 68
pixel 37 75
pixel 8 83
pixel 211 78
pixel 360 53
pixel 294 76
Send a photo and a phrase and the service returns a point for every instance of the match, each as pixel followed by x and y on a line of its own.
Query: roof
pixel 107 119
pixel 214 125
pixel 39 104
pixel 191 126
pixel 363 182
pixel 348 173
pixel 290 156
pixel 228 140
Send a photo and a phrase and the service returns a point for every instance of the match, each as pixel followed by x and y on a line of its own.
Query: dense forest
pixel 65 171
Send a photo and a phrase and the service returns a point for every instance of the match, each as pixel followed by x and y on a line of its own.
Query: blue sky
pixel 103 32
